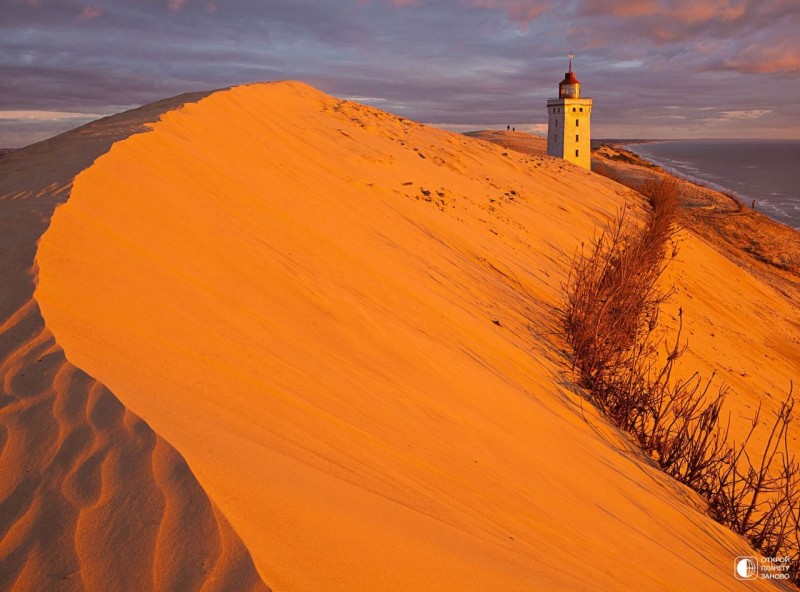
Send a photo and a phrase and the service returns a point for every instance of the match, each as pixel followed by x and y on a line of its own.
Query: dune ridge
pixel 90 497
pixel 522 142
pixel 344 321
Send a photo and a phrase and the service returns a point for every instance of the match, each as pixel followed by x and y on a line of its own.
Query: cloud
pixel 21 128
pixel 687 12
pixel 627 9
pixel 460 62
pixel 90 12
pixel 522 12
pixel 366 100
pixel 764 59
pixel 47 115
pixel 667 117
pixel 745 114
pixel 713 33
pixel 176 6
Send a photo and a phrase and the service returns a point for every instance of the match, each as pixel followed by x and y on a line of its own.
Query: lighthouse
pixel 568 127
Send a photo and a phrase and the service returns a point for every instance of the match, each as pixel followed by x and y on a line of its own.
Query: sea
pixel 767 171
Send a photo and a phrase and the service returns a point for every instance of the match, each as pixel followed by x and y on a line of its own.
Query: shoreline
pixel 700 184
pixel 767 248
pixel 766 201
pixel 672 171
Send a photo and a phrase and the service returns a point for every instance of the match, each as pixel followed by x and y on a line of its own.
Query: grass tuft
pixel 610 316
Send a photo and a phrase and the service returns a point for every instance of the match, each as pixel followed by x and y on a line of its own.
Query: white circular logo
pixel 747 568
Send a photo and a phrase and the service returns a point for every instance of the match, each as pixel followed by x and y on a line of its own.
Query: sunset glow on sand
pixel 283 336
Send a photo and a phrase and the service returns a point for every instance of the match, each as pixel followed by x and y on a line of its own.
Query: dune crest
pixel 90 497
pixel 343 320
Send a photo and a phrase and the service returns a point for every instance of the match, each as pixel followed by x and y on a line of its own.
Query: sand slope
pixel 519 141
pixel 738 280
pixel 343 320
pixel 742 308
pixel 90 497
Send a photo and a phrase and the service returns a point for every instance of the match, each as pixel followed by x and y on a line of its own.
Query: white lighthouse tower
pixel 568 128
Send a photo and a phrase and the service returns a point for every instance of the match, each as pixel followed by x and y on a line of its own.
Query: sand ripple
pixel 91 498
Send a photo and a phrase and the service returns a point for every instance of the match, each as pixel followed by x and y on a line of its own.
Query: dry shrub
pixel 611 310
pixel 761 499
pixel 612 293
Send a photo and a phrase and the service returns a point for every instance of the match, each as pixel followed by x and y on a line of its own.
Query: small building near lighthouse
pixel 568 128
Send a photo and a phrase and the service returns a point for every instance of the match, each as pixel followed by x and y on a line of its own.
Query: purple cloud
pixel 459 62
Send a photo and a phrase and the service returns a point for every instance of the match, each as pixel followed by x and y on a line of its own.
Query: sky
pixel 654 68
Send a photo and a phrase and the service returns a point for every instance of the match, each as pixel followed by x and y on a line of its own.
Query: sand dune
pixel 765 248
pixel 519 141
pixel 743 307
pixel 90 497
pixel 343 321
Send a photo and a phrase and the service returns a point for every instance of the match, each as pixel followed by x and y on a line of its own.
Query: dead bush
pixel 610 316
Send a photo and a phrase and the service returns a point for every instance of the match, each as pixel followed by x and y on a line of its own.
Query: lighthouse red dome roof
pixel 569 78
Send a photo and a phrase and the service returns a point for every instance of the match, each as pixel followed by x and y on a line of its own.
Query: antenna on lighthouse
pixel 570 61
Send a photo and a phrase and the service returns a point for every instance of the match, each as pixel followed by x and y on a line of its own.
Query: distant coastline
pixel 748 237
pixel 625 141
pixel 751 171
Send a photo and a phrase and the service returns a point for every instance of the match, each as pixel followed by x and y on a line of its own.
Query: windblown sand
pixel 519 141
pixel 90 497
pixel 344 321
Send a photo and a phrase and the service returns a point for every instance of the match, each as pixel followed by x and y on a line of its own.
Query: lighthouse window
pixel 577 138
pixel 573 108
pixel 556 122
pixel 577 153
pixel 577 122
pixel 581 109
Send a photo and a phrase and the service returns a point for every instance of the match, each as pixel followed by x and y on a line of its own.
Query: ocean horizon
pixel 762 170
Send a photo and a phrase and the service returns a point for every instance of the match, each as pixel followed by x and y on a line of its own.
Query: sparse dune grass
pixel 610 317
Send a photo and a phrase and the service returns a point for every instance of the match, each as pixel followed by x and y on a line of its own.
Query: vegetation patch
pixel 610 317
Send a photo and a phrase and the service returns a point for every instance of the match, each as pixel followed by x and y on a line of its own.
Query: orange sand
pixel 90 497
pixel 343 320
pixel 519 141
